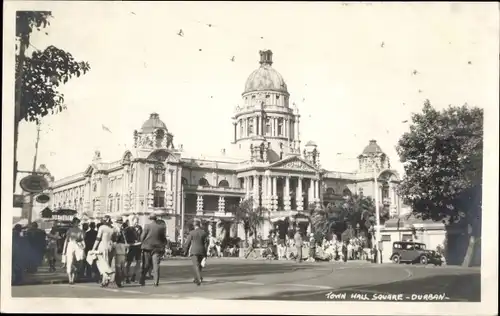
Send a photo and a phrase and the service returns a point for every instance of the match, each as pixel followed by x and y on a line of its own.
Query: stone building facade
pixel 265 162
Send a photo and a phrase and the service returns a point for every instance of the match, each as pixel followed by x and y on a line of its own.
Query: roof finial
pixel 266 57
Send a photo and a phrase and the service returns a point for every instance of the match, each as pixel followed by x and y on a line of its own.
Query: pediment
pixel 294 163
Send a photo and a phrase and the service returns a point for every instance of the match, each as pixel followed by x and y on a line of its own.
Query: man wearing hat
pixel 196 246
pixel 153 241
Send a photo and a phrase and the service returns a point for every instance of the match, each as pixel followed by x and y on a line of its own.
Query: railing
pixel 213 188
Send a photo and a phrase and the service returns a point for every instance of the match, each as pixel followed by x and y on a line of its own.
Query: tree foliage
pixel 357 211
pixel 442 156
pixel 251 218
pixel 43 72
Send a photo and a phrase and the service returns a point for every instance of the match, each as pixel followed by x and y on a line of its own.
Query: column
pixel 256 200
pixel 300 198
pixel 286 197
pixel 235 129
pixel 275 193
pixel 310 198
pixel 269 192
pixel 247 187
pixel 199 205
pixel 317 199
pixel 264 191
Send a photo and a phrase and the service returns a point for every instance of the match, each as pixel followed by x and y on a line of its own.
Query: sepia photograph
pixel 257 157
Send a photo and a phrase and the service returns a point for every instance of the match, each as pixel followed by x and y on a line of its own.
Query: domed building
pixel 272 170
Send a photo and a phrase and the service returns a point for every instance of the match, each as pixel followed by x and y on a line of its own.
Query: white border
pixel 489 285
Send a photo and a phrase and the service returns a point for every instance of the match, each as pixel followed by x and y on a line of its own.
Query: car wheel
pixel 396 259
pixel 423 260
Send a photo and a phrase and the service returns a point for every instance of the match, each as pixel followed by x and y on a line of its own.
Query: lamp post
pixel 377 214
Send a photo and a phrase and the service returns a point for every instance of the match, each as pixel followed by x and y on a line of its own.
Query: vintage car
pixel 414 252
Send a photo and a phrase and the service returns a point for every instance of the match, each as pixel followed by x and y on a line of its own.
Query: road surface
pixel 284 280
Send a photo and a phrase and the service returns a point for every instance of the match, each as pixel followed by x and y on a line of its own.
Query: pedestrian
pixel 298 245
pixel 90 237
pixel 153 241
pixel 133 234
pixel 121 248
pixel 52 239
pixel 196 246
pixel 73 250
pixel 312 248
pixel 37 241
pixel 104 247
pixel 251 245
pixel 19 254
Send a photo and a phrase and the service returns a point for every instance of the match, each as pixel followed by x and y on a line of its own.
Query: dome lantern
pixel 266 57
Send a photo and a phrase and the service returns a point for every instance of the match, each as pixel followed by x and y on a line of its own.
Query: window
pixel 203 182
pixel 93 205
pixel 159 174
pixel 330 191
pixel 224 183
pixel 268 126
pixel 267 96
pixel 277 97
pixel 250 126
pixel 184 181
pixel 118 200
pixel 385 191
pixel 280 127
pixel 407 237
pixel 241 129
pixel 94 187
pixel 159 199
pixel 386 237
pixel 110 206
pixel 132 175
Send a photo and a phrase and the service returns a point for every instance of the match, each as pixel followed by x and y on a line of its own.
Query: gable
pixel 294 163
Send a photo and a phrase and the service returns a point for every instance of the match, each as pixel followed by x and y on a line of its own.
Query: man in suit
pixel 196 246
pixel 153 241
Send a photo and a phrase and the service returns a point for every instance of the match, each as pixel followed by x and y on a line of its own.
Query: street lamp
pixel 377 214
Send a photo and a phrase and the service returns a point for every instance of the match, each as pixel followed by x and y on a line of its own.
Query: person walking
pixel 121 248
pixel 52 239
pixel 298 245
pixel 90 237
pixel 312 248
pixel 153 241
pixel 37 240
pixel 104 247
pixel 73 250
pixel 196 246
pixel 133 234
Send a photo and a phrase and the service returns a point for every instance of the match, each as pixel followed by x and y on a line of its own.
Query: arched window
pixel 385 191
pixel 224 183
pixel 280 127
pixel 184 181
pixel 203 182
pixel 330 191
pixel 110 204
pixel 159 173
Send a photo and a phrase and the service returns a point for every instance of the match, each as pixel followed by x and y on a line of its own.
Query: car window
pixel 409 246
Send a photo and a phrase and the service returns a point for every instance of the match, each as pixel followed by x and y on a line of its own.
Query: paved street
pixel 273 280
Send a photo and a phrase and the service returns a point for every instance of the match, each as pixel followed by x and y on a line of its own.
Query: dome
pixel 372 148
pixel 153 123
pixel 311 144
pixel 265 78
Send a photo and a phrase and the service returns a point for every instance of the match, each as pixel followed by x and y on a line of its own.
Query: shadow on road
pixel 458 288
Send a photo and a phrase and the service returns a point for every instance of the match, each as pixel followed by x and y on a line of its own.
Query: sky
pixel 349 68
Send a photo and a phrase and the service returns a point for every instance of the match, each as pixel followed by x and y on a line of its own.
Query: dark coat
pixel 153 237
pixel 197 240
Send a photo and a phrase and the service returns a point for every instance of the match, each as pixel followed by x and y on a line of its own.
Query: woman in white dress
pixel 73 250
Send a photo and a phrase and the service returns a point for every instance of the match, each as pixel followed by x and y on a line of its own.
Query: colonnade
pixel 264 190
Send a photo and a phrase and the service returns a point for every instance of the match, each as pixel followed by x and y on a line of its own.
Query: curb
pixel 49 282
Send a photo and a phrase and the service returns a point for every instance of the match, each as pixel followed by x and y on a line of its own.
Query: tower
pixel 265 125
pixel 373 158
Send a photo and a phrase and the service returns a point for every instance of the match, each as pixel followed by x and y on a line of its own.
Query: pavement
pixel 233 278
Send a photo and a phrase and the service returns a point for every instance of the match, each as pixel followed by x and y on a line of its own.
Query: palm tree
pixel 251 218
pixel 324 220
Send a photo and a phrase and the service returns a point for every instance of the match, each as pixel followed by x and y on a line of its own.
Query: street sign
pixel 34 183
pixel 42 198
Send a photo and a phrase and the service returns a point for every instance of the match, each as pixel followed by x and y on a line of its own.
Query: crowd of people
pixel 111 253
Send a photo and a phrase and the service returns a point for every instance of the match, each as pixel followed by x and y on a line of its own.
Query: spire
pixel 266 57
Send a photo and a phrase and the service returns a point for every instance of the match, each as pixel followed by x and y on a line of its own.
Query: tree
pixel 251 218
pixel 442 155
pixel 43 72
pixel 39 76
